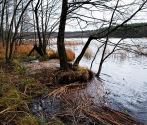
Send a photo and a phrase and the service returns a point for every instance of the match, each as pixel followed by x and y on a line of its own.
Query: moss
pixel 19 69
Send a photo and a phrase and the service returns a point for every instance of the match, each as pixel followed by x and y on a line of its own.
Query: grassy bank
pixel 20 86
pixel 17 89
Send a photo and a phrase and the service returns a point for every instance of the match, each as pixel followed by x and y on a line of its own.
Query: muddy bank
pixel 52 74
pixel 70 104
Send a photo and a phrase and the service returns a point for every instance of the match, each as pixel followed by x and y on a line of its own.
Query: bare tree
pixel 67 9
pixel 13 28
pixel 44 21
pixel 109 32
pixel 3 7
pixel 60 39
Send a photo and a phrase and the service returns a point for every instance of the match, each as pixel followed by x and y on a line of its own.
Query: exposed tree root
pixel 78 74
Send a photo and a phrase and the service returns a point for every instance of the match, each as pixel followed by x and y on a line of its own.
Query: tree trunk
pixel 2 20
pixel 60 39
pixel 37 25
pixel 76 63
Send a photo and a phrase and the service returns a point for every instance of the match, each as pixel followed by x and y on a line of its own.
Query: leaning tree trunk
pixel 60 38
pixel 76 63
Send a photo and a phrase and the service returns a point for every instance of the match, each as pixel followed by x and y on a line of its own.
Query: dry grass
pixel 73 43
pixel 74 75
pixel 88 53
pixel 122 54
pixel 141 50
pixel 52 54
pixel 63 89
pixel 16 91
pixel 70 55
pixel 107 51
pixel 67 43
pixel 23 49
pixel 20 51
pixel 2 51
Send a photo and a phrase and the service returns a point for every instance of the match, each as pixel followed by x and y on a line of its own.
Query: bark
pixel 60 39
pixel 37 24
pixel 2 20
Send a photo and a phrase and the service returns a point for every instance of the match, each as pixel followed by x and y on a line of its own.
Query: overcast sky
pixel 125 9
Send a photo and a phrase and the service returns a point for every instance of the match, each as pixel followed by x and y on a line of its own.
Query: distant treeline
pixel 136 30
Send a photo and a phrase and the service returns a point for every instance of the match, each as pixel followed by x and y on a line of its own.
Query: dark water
pixel 44 108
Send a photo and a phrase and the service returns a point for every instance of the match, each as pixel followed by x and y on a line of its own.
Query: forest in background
pixel 135 30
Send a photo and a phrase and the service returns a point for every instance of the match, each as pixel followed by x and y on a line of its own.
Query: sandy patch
pixel 36 66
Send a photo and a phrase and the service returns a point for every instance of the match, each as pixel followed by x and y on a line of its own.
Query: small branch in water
pixel 95 56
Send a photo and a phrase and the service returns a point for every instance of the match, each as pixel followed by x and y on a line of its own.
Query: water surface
pixel 123 78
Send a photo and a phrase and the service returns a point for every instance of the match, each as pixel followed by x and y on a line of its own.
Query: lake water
pixel 123 81
pixel 123 76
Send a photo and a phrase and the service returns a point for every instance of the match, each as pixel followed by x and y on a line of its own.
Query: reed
pixel 88 53
pixel 122 54
pixel 52 54
pixel 70 55
pixel 23 49
pixel 73 43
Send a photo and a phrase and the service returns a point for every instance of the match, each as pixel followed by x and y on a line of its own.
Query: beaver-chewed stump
pixel 81 74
